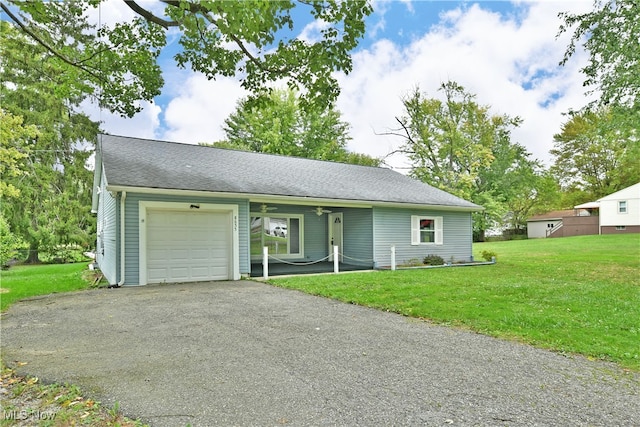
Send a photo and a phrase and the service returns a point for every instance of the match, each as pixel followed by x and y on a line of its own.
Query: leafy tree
pixel 610 34
pixel 456 145
pixel 53 181
pixel 15 141
pixel 279 125
pixel 252 39
pixel 595 156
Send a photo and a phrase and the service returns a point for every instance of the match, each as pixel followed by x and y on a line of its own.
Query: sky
pixel 506 53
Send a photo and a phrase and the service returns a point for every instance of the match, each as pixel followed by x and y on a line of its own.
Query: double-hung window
pixel 622 206
pixel 281 233
pixel 426 230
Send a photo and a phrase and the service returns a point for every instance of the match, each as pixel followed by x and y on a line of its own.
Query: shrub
pixel 433 260
pixel 488 255
pixel 63 254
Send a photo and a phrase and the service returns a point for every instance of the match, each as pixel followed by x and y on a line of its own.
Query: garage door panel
pixel 188 246
pixel 200 272
pixel 156 274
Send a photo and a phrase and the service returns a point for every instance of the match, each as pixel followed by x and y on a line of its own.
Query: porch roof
pixel 152 164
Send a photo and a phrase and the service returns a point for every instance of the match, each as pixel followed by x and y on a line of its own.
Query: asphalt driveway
pixel 246 353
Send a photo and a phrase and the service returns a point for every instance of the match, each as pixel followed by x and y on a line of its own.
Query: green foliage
pixel 489 255
pixel 279 125
pixel 117 66
pixel 15 141
pixel 433 260
pixel 575 294
pixel 52 178
pixel 609 33
pixel 252 39
pixel 63 254
pixel 10 244
pixel 594 156
pixel 456 145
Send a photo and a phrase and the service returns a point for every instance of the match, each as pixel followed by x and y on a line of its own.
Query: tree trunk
pixel 33 256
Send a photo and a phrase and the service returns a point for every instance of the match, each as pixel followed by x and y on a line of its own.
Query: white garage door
pixel 188 246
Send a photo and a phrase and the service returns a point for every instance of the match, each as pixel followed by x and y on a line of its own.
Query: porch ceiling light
pixel 319 211
pixel 264 208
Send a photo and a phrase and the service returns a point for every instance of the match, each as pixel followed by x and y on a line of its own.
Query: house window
pixel 621 227
pixel 426 230
pixel 282 234
pixel 622 207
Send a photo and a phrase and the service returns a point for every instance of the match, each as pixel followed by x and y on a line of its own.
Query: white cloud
pixel 143 125
pixel 198 112
pixel 312 32
pixel 510 63
pixel 111 12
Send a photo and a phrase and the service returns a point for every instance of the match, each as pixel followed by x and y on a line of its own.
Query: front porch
pixel 281 269
pixel 300 238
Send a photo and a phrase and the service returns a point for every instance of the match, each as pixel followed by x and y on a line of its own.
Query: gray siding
pixel 358 236
pixel 107 244
pixel 393 227
pixel 132 231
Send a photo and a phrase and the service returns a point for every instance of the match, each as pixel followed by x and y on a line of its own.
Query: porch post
pixel 393 257
pixel 265 262
pixel 336 260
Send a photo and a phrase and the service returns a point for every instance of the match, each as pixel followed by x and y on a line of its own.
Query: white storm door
pixel 335 234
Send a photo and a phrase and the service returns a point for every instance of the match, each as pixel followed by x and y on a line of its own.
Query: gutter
pixel 295 200
pixel 123 197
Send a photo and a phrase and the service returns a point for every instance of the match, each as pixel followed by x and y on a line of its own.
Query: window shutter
pixel 415 230
pixel 439 232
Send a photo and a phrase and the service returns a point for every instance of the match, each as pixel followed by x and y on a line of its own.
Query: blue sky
pixel 506 53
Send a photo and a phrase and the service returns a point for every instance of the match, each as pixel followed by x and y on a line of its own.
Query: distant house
pixel 564 223
pixel 169 212
pixel 616 213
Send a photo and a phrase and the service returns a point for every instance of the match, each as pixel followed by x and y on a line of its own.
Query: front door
pixel 335 234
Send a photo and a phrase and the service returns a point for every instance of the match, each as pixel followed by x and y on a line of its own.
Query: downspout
pixel 123 197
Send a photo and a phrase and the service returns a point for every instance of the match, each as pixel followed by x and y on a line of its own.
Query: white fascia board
pixel 429 207
pixel 297 200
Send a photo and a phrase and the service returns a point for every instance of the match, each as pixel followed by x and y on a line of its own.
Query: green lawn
pixel 30 280
pixel 574 295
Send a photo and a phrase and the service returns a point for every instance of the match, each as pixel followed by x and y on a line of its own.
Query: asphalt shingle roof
pixel 134 162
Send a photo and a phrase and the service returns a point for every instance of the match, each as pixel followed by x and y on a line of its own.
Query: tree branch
pixel 150 16
pixel 44 44
pixel 197 8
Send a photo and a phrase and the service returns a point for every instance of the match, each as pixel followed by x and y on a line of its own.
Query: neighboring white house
pixel 620 211
pixel 613 214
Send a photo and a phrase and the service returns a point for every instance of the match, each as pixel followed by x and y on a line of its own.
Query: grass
pixel 577 295
pixel 25 281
